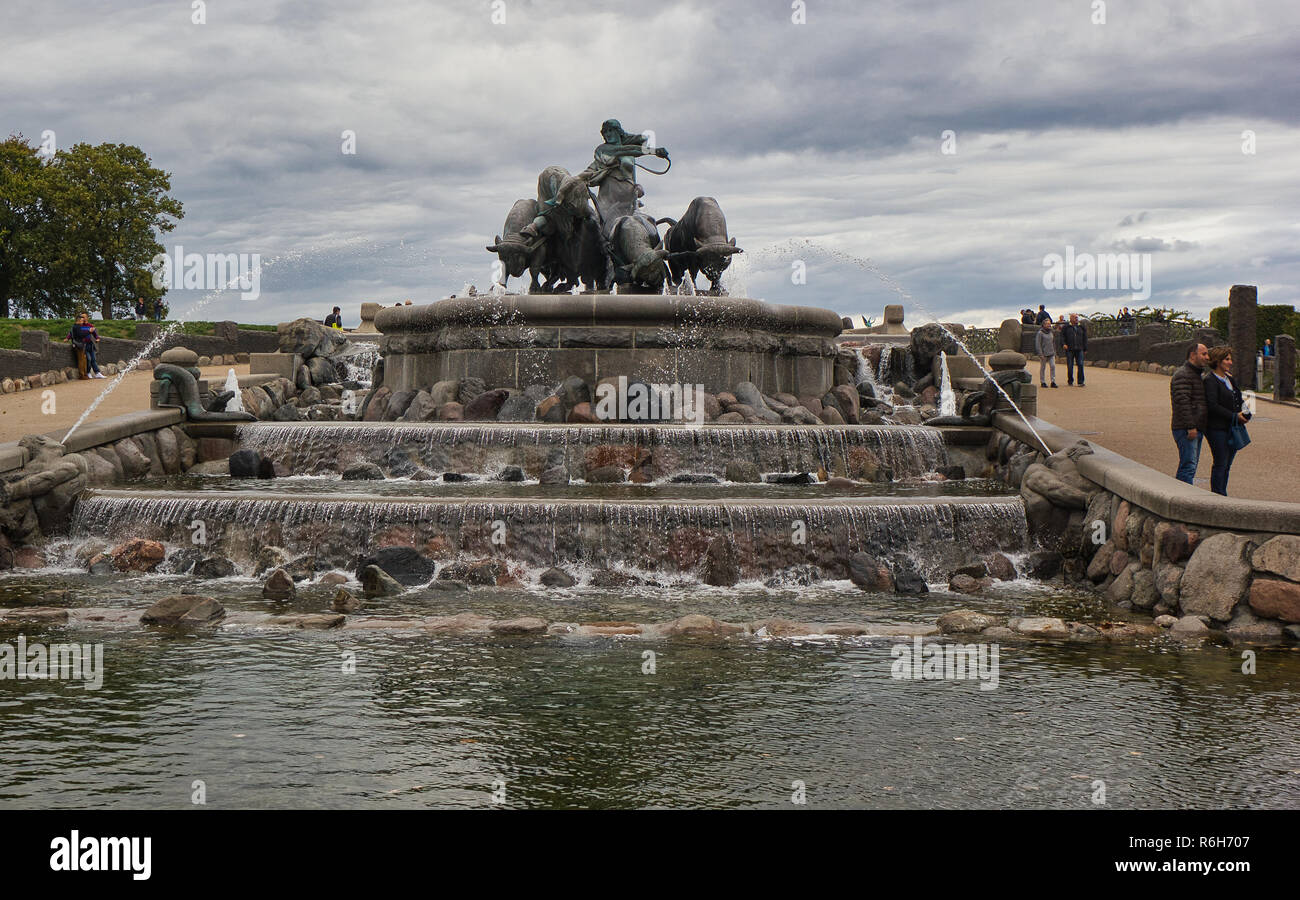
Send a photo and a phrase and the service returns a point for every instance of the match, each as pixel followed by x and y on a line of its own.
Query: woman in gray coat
pixel 1045 347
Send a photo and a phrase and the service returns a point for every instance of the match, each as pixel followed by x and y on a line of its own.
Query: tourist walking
pixel 1074 339
pixel 334 319
pixel 139 309
pixel 1268 348
pixel 1225 424
pixel 1187 405
pixel 1043 315
pixel 1045 347
pixel 84 339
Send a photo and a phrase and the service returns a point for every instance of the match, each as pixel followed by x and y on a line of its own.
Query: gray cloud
pixel 826 133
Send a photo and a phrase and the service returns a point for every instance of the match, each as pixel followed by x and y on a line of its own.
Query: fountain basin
pixel 516 340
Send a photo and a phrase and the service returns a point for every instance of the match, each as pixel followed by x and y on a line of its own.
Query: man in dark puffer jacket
pixel 1187 400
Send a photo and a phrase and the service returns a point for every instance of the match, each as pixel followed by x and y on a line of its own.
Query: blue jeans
pixel 1189 454
pixel 1223 456
pixel 1073 358
pixel 92 364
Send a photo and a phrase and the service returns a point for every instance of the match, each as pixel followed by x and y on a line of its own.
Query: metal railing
pixel 981 340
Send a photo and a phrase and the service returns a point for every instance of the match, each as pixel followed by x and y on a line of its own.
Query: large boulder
pixel 1279 555
pixel 421 408
pixel 869 574
pixel 444 392
pixel 747 394
pixel 518 408
pixel 250 464
pixel 279 586
pixel 486 405
pixel 323 370
pixel 1216 577
pixel 309 338
pixel 375 582
pixel 1274 598
pixel 405 564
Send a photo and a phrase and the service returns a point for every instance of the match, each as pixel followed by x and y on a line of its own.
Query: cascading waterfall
pixel 401 448
pixel 933 535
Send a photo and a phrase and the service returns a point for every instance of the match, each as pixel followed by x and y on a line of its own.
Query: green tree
pixel 22 177
pixel 111 205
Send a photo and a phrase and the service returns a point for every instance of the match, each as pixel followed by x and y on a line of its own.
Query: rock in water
pixel 279 586
pixel 404 564
pixel 363 471
pixel 250 464
pixel 375 582
pixel 186 609
pixel 346 602
pixel 214 567
pixel 557 578
pixel 138 555
pixel 868 573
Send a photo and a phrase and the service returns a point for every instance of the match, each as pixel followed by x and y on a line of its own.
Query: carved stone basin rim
pixel 609 309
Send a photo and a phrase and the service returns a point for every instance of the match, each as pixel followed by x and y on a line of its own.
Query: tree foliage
pixel 81 228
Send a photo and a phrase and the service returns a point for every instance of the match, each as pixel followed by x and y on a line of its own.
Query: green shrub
pixel 112 328
pixel 1270 321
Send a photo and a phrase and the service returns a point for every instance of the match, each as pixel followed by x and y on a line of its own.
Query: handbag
pixel 1238 437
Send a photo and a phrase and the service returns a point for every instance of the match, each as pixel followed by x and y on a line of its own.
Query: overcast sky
pixel 822 141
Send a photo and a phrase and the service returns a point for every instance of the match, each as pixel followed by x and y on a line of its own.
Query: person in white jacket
pixel 1045 347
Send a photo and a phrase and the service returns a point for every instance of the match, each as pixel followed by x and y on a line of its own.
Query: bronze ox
pixel 698 243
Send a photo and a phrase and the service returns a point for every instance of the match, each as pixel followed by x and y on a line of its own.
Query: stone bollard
pixel 1009 335
pixel 1242 309
pixel 368 311
pixel 894 319
pixel 1284 367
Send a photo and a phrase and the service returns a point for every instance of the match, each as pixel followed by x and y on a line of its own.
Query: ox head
pixel 715 256
pixel 513 254
pixel 649 268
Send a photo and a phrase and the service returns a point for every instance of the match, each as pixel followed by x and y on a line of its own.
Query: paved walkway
pixel 1128 412
pixel 23 413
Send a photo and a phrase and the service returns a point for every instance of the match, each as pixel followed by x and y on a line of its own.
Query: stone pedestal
pixel 1009 334
pixel 1242 300
pixel 518 340
pixel 1284 368
pixel 368 311
pixel 894 320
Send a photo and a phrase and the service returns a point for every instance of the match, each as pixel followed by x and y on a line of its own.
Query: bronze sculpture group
pixel 588 229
